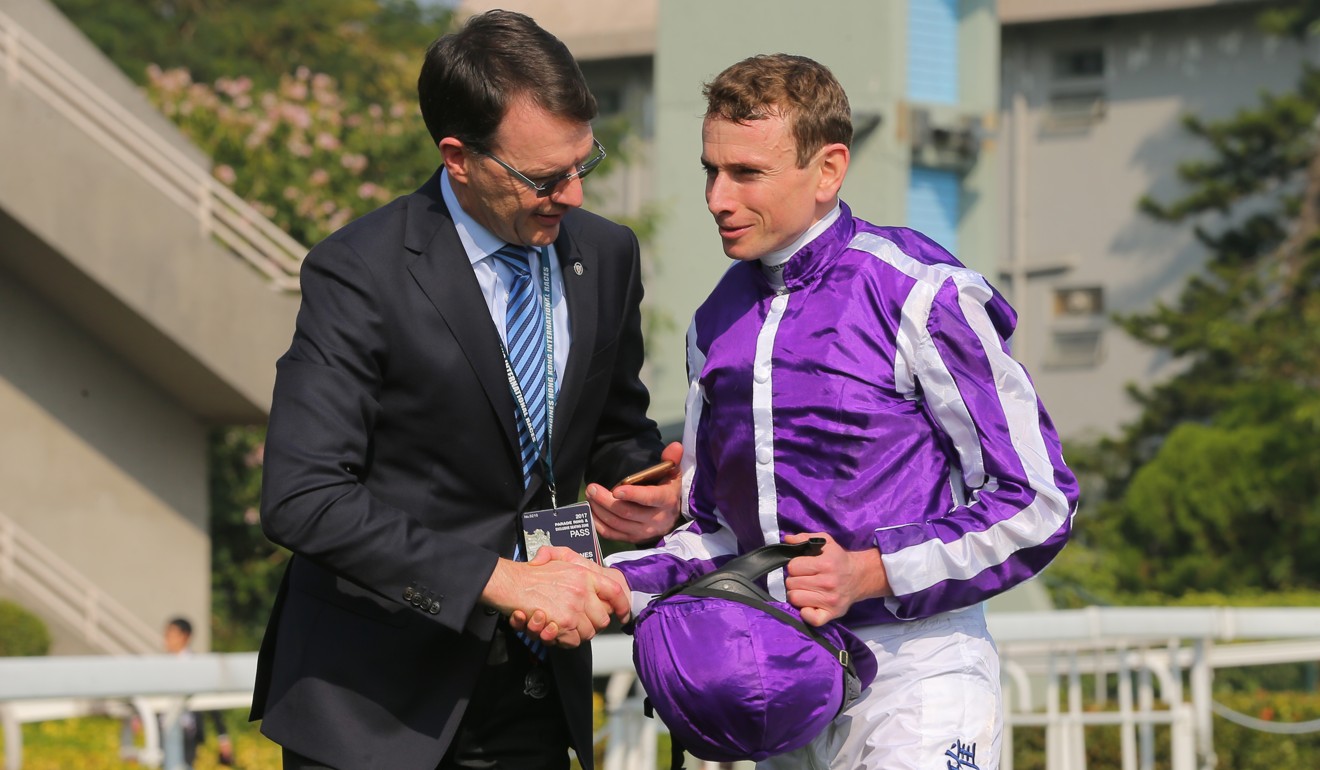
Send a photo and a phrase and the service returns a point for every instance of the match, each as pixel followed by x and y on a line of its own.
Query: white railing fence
pixel 29 64
pixel 61 589
pixel 1159 660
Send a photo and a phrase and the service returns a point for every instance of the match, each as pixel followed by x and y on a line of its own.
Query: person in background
pixel 854 382
pixel 463 354
pixel 180 739
pixel 178 641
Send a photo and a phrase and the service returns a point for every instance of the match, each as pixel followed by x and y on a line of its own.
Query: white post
pixel 1056 739
pixel 1145 705
pixel 151 754
pixel 1128 724
pixel 1076 730
pixel 13 732
pixel 1202 682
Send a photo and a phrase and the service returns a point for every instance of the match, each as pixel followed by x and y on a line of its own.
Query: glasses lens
pixel 591 163
pixel 547 187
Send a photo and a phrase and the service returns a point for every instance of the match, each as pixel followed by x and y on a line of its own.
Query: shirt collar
pixel 477 241
pixel 781 256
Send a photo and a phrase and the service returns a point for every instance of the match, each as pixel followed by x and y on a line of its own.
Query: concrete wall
pixel 100 464
pixel 125 332
pixel 133 265
pixel 1070 189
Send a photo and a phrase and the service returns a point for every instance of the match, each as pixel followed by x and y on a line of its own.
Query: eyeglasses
pixel 547 186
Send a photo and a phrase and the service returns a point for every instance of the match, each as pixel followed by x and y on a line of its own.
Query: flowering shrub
pixel 302 154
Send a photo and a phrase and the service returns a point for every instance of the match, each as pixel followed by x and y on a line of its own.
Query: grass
pixel 92 743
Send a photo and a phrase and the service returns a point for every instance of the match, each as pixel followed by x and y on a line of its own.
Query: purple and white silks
pixel 874 399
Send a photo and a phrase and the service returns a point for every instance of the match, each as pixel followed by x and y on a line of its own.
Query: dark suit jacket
pixel 392 464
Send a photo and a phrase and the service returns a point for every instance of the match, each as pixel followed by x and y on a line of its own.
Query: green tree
pixel 371 47
pixel 21 632
pixel 245 566
pixel 1216 485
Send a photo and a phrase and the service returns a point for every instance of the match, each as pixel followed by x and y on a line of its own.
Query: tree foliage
pixel 307 156
pixel 1216 485
pixel 371 47
pixel 21 632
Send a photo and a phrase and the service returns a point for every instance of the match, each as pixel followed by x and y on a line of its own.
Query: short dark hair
pixel 182 624
pixel 471 76
pixel 802 91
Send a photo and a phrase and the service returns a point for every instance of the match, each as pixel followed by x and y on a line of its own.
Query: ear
pixel 833 168
pixel 454 159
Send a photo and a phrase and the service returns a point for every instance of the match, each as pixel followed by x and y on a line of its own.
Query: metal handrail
pixel 32 689
pixel 219 212
pixel 61 589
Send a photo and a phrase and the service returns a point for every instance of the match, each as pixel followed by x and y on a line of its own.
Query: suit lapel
pixel 444 273
pixel 577 265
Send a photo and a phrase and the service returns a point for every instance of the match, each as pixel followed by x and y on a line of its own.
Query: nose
pixel 717 198
pixel 568 193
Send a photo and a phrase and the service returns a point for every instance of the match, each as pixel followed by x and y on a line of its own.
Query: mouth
pixel 549 217
pixel 730 232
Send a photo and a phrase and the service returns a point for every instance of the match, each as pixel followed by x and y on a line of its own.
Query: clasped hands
pixel 558 596
pixel 565 599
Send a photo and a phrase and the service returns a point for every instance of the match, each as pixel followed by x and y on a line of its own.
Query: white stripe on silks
pixel 694 408
pixel 763 436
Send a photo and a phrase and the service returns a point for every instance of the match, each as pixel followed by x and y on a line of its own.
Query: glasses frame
pixel 548 188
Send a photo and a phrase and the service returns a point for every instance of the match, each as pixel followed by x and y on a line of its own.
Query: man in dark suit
pixel 399 454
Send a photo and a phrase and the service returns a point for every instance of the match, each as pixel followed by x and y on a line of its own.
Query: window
pixel 1076 99
pixel 1086 302
pixel 1079 63
pixel 1077 327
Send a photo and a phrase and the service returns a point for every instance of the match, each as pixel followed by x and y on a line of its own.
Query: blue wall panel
pixel 932 51
pixel 933 205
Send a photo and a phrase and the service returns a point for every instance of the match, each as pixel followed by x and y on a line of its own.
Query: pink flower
pixel 319 177
pixel 367 190
pixel 354 162
pixel 225 173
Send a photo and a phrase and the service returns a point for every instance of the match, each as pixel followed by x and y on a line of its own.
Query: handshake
pixel 558 596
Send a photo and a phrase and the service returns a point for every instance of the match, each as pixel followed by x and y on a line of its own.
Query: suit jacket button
pixel 408 593
pixel 490 610
pixel 435 608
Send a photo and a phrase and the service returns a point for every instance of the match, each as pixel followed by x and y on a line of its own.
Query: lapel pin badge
pixel 577 268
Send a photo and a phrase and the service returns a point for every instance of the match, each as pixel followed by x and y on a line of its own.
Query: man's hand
pixel 561 597
pixel 639 513
pixel 538 623
pixel 824 587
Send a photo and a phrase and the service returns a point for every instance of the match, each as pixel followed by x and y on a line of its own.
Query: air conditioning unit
pixel 944 137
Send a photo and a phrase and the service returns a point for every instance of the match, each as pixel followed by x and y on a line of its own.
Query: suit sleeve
pixel 325 408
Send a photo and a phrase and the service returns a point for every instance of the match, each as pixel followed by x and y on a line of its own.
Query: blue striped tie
pixel 524 334
pixel 524 324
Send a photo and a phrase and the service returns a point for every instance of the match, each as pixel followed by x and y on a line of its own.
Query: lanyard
pixel 550 380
